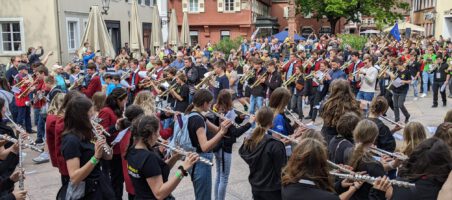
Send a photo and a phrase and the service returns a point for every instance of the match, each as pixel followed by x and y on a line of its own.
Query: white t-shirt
pixel 369 79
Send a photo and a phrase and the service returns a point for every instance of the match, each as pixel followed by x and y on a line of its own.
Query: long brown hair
pixel 99 100
pixel 201 97
pixel 145 100
pixel 413 134
pixel 341 101
pixel 224 99
pixel 448 117
pixel 444 132
pixel 264 118
pixel 309 161
pixel 279 100
pixel 365 133
pixel 76 118
pixel 379 105
pixel 55 104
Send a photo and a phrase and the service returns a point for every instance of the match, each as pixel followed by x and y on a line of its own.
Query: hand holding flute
pixel 188 155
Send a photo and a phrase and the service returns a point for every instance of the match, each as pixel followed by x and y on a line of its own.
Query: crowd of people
pixel 107 122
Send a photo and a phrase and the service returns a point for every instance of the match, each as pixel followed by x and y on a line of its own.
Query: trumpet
pixel 291 79
pixel 258 81
pixel 324 75
pixel 21 144
pixel 206 79
pixel 308 62
pixel 345 65
pixel 382 152
pixel 167 91
pixel 249 74
pixel 77 82
pixel 310 75
pixel 224 118
pixel 370 179
pixel 98 136
pixel 184 153
pixel 390 121
pixel 19 84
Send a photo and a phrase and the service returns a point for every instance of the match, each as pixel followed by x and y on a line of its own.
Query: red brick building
pixel 212 20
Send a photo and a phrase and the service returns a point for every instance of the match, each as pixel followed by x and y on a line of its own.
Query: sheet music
pixel 397 82
pixel 120 136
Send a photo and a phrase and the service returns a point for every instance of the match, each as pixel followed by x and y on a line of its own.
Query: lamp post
pixel 105 6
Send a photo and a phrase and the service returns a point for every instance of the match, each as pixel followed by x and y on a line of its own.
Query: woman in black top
pixel 148 172
pixel 83 151
pixel 385 139
pixel 341 146
pixel 181 93
pixel 364 135
pixel 428 167
pixel 265 157
pixel 401 91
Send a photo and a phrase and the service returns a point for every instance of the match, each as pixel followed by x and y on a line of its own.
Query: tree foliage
pixel 225 45
pixel 386 11
pixel 357 42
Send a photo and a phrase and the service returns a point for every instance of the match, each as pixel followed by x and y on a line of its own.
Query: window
pixel 224 35
pixel 229 5
pixel 194 37
pixel 73 34
pixel 193 6
pixel 147 2
pixel 12 36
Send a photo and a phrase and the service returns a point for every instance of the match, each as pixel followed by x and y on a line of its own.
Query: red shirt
pixel 109 119
pixel 123 146
pixel 59 128
pixel 40 86
pixel 136 81
pixel 21 101
pixel 50 138
pixel 93 87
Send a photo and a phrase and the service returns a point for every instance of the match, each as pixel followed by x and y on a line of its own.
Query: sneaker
pixel 434 105
pixel 39 142
pixel 42 158
pixel 423 95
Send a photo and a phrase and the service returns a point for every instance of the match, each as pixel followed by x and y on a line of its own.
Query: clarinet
pixel 185 153
pixel 107 148
pixel 371 180
pixel 13 140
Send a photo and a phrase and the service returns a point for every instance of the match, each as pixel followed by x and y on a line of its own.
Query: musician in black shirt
pixel 400 92
pixel 258 92
pixel 441 77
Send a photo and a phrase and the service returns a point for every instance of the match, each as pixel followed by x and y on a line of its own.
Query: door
pixel 114 29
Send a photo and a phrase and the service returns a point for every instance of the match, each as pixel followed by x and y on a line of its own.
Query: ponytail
pixel 189 108
pixel 357 155
pixel 256 137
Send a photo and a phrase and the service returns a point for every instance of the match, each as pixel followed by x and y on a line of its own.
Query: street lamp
pixel 105 6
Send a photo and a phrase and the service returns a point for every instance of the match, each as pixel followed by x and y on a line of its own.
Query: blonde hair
pixel 55 104
pixel 279 99
pixel 365 133
pixel 413 134
pixel 444 132
pixel 146 101
pixel 264 118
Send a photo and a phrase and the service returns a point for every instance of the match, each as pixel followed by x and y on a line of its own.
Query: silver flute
pixel 95 123
pixel 284 136
pixel 13 140
pixel 371 179
pixel 391 121
pixel 224 118
pixel 98 136
pixel 166 110
pixel 340 168
pixel 21 166
pixel 297 121
pixel 382 152
pixel 21 130
pixel 185 153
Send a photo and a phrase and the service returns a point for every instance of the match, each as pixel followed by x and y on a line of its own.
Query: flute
pixel 224 118
pixel 284 136
pixel 21 168
pixel 370 179
pixel 340 168
pixel 297 121
pixel 382 152
pixel 95 123
pixel 390 121
pixel 21 130
pixel 166 110
pixel 107 148
pixel 185 153
pixel 13 140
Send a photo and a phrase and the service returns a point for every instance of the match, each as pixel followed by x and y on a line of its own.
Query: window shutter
pixel 237 5
pixel 220 5
pixel 201 5
pixel 184 5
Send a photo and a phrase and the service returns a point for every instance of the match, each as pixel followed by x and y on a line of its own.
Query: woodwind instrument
pixel 224 118
pixel 14 140
pixel 205 80
pixel 297 121
pixel 340 168
pixel 391 121
pixel 166 110
pixel 370 179
pixel 382 152
pixel 284 136
pixel 95 122
pixel 21 167
pixel 77 82
pixel 21 130
pixel 167 91
pixel 98 136
pixel 185 153
pixel 258 80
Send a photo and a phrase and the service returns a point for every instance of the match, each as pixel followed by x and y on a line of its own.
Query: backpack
pixel 181 136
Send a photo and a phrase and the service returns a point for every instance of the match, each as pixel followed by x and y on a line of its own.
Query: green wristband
pixel 179 175
pixel 94 160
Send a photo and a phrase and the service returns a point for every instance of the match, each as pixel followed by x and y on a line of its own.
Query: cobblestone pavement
pixel 42 181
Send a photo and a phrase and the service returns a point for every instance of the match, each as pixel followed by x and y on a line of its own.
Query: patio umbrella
pixel 136 33
pixel 405 25
pixel 185 32
pixel 96 34
pixel 370 32
pixel 156 35
pixel 173 33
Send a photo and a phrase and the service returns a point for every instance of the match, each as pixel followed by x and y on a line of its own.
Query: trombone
pixel 22 94
pixel 249 74
pixel 383 71
pixel 166 92
pixel 310 75
pixel 292 79
pixel 392 80
pixel 19 84
pixel 345 65
pixel 258 81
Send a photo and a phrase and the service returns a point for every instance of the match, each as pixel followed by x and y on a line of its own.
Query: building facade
pixel 60 25
pixel 213 20
pixel 443 19
pixel 423 15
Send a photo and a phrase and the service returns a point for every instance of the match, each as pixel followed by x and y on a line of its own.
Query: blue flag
pixel 395 32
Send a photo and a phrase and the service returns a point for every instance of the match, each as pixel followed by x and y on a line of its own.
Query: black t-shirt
pixel 340 150
pixel 372 168
pixel 300 191
pixel 404 75
pixel 143 164
pixel 414 68
pixel 440 75
pixel 73 146
pixel 385 139
pixel 221 82
pixel 184 92
pixel 194 123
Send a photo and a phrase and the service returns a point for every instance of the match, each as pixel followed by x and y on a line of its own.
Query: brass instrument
pixel 148 83
pixel 324 75
pixel 432 68
pixel 392 80
pixel 184 153
pixel 258 80
pixel 77 82
pixel 382 152
pixel 345 65
pixel 370 179
pixel 383 70
pixel 19 84
pixel 205 80
pixel 249 74
pixel 294 77
pixel 166 92
pixel 310 75
pixel 126 74
pixel 25 92
pixel 308 62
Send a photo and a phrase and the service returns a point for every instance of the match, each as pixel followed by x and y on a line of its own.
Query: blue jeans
pixel 415 88
pixel 42 126
pixel 37 112
pixel 24 118
pixel 223 166
pixel 426 78
pixel 366 96
pixel 202 178
pixel 256 101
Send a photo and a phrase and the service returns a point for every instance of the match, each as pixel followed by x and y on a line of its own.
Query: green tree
pixel 225 45
pixel 386 11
